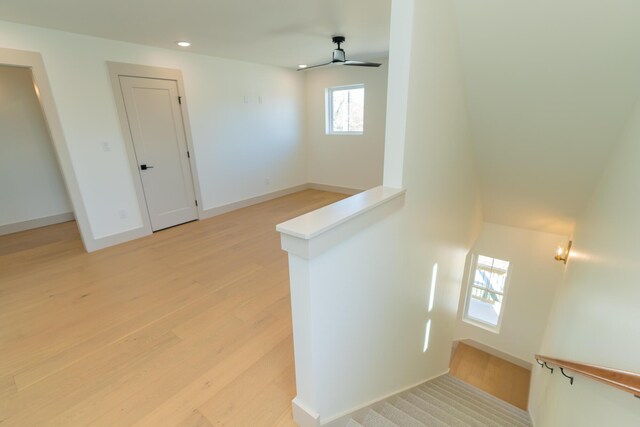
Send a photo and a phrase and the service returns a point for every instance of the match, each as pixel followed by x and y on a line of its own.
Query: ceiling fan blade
pixel 339 57
pixel 362 64
pixel 315 66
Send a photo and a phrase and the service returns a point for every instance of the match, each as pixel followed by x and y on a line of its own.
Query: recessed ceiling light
pixel 184 44
pixel 301 66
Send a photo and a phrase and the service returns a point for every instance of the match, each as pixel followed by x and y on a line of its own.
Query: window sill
pixel 344 133
pixel 479 324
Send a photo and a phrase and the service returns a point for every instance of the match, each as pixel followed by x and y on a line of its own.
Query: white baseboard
pixel 210 213
pixel 342 419
pixel 116 239
pixel 333 188
pixel 36 223
pixel 104 242
pixel 303 416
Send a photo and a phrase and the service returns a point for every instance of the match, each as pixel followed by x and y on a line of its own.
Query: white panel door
pixel 157 130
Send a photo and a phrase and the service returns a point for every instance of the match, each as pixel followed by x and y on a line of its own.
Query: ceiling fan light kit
pixel 340 58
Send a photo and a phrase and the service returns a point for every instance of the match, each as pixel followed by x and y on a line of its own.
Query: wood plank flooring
pixel 188 327
pixel 496 376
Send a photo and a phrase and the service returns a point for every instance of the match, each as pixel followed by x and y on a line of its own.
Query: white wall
pixel 351 161
pixel 31 185
pixel 238 145
pixel 443 214
pixel 534 279
pixel 596 316
pixel 368 294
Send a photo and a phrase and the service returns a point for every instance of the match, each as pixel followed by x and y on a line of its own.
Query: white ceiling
pixel 277 32
pixel 550 84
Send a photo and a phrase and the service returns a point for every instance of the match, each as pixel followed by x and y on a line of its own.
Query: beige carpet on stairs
pixel 444 401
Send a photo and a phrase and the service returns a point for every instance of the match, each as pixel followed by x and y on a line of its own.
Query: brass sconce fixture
pixel 562 254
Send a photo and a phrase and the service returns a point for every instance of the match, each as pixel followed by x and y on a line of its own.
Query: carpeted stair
pixel 444 401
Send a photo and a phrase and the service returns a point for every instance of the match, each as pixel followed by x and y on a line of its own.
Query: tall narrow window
pixel 345 110
pixel 485 294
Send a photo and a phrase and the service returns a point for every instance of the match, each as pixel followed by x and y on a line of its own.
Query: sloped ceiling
pixel 550 85
pixel 277 32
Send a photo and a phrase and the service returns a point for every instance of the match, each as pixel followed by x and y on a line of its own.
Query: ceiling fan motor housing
pixel 338 54
pixel 338 39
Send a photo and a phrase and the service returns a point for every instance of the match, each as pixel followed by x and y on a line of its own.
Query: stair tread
pixel 446 402
pixel 398 416
pixel 486 409
pixel 450 381
pixel 490 407
pixel 375 419
pixel 428 418
pixel 435 407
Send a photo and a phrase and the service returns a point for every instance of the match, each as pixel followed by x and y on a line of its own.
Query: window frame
pixel 470 286
pixel 329 109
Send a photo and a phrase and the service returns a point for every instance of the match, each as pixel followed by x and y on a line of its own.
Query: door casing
pixel 117 69
pixel 34 62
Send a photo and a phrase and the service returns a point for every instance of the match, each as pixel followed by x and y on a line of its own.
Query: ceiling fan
pixel 339 58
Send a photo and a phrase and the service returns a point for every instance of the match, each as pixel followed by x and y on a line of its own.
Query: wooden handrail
pixel 622 380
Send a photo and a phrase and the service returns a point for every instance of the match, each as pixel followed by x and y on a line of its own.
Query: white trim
pixel 329 110
pixel 347 87
pixel 118 238
pixel 339 230
pixel 136 233
pixel 342 418
pixel 33 61
pixel 497 353
pixel 334 189
pixel 339 133
pixel 477 322
pixel 219 210
pixel 302 415
pixel 315 223
pixel 36 223
pixel 480 324
pixel 117 69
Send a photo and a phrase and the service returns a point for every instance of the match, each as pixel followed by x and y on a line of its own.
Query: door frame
pixel 117 69
pixel 33 61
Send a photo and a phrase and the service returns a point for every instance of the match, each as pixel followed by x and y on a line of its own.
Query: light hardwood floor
pixel 496 376
pixel 188 327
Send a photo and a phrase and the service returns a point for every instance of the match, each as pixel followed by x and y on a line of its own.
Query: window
pixel 485 295
pixel 345 110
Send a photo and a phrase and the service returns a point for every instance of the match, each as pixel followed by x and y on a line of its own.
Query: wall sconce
pixel 562 254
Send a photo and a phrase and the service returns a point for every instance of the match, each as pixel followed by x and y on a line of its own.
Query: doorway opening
pixel 32 190
pixel 32 61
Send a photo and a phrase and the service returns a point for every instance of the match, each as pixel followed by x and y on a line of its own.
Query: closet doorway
pixel 32 190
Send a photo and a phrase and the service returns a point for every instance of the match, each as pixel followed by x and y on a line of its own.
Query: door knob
pixel 145 167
